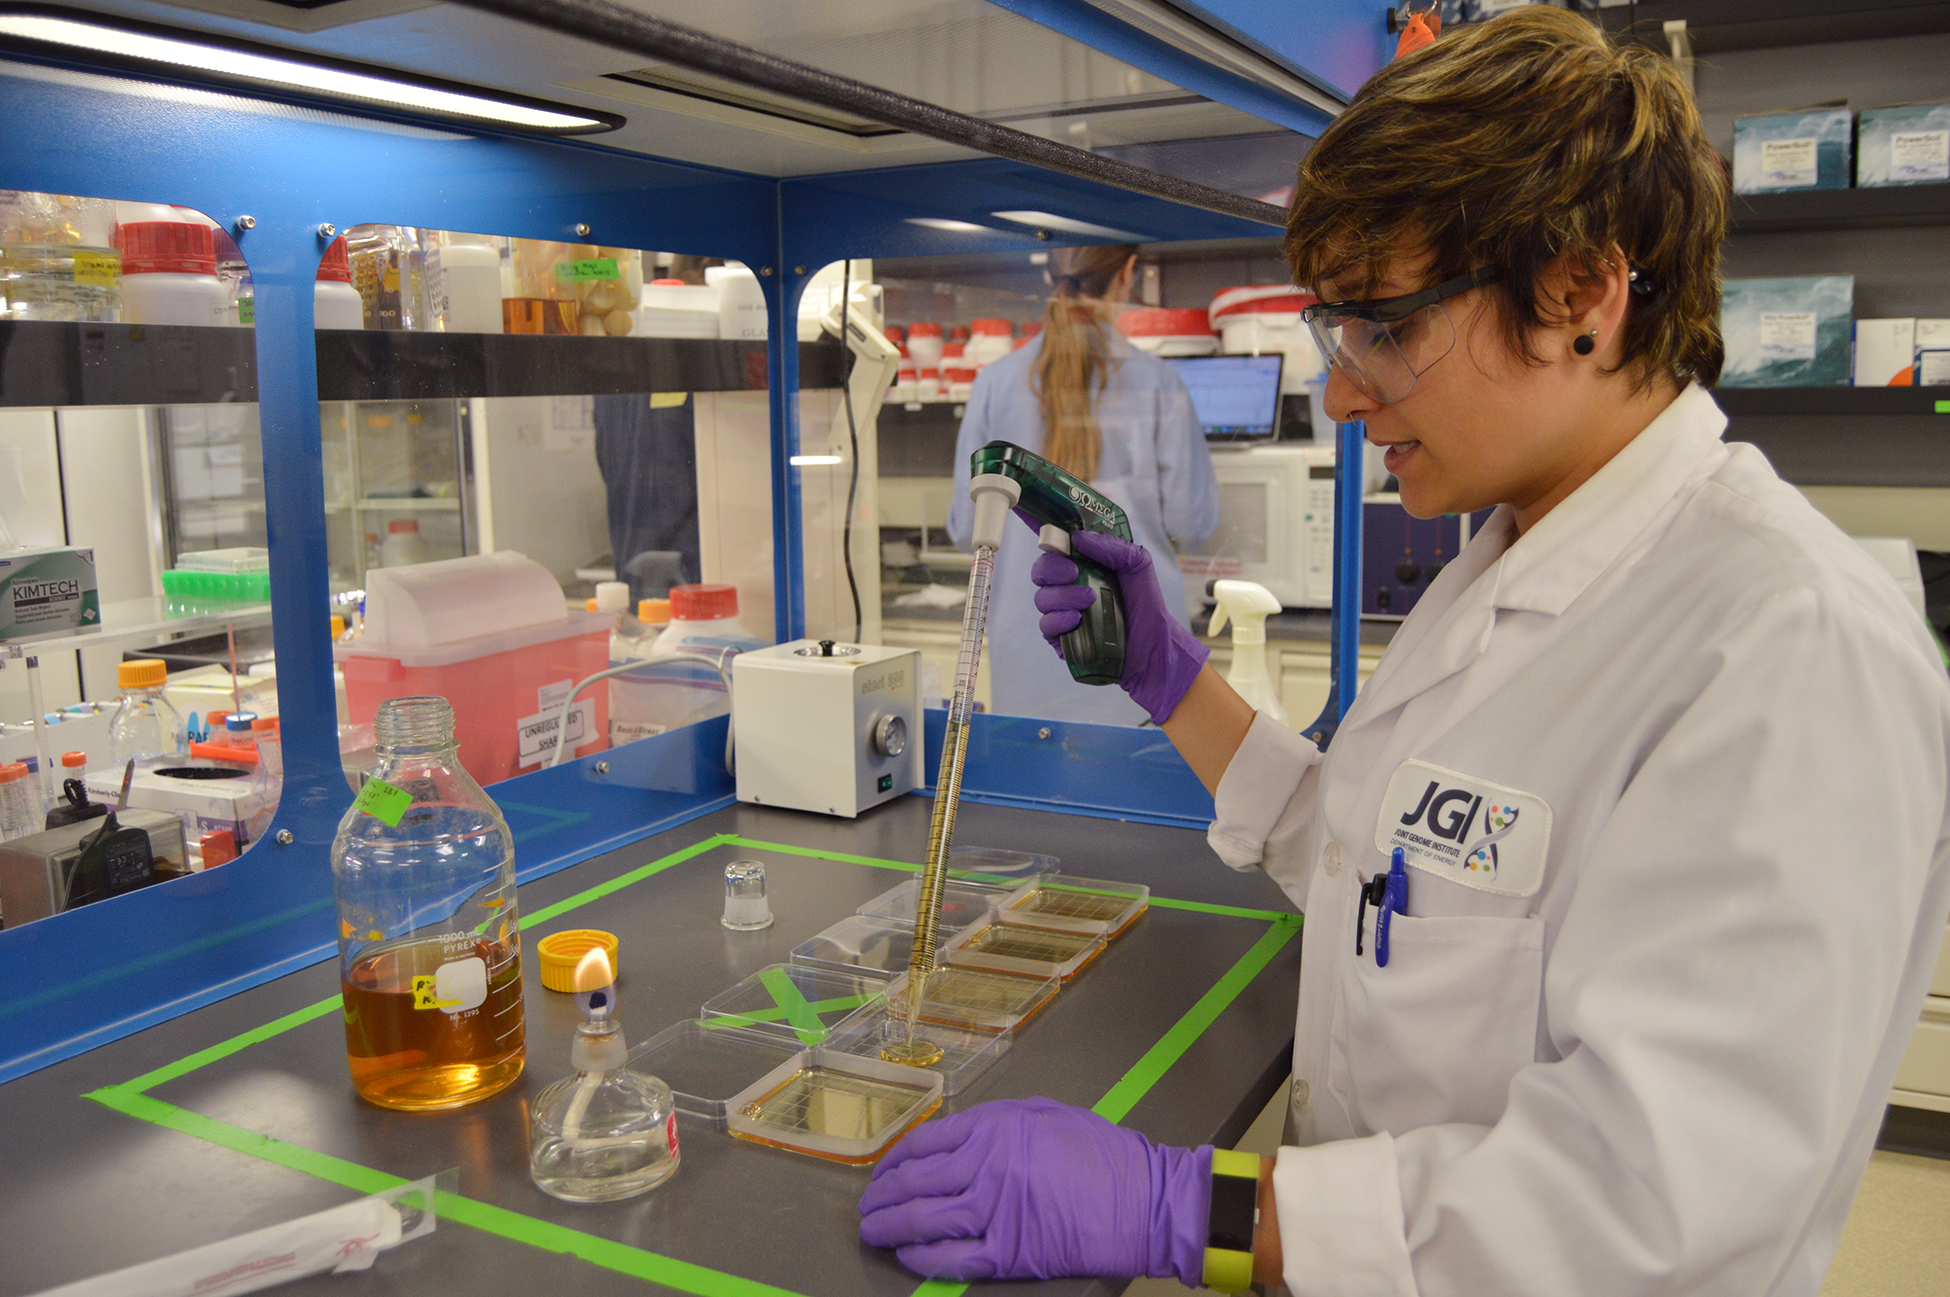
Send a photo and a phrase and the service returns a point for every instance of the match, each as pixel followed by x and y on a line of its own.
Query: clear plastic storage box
pixel 965 1055
pixel 1011 948
pixel 976 999
pixel 1086 905
pixel 857 944
pixel 962 902
pixel 842 1107
pixel 799 1002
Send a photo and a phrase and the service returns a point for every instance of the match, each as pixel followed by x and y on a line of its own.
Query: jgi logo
pixel 1451 814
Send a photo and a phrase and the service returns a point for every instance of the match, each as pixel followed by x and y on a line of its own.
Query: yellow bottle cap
pixel 338 626
pixel 560 952
pixel 654 611
pixel 141 673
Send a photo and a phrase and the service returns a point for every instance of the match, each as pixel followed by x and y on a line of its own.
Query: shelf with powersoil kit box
pixel 768 1040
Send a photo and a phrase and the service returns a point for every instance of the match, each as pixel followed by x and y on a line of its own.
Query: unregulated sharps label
pixel 1468 830
pixel 47 590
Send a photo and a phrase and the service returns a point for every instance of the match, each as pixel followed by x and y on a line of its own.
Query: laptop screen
pixel 1237 397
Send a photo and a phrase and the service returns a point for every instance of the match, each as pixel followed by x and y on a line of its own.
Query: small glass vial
pixel 745 906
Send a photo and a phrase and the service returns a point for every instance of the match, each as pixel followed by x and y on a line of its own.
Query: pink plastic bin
pixel 488 633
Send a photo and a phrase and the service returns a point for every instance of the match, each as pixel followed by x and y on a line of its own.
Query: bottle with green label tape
pixel 423 869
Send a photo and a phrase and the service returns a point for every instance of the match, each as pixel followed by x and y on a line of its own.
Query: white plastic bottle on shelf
pixel 145 727
pixel 404 545
pixel 17 812
pixel 924 344
pixel 741 303
pixel 335 303
pixel 169 266
pixel 990 340
pixel 680 684
pixel 470 266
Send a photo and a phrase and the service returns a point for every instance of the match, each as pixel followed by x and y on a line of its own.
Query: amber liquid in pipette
pixel 913 1050
pixel 416 1059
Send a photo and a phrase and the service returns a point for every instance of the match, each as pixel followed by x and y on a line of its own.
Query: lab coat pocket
pixel 1437 1035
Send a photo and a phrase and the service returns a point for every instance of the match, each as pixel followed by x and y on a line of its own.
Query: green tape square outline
pixel 130 1099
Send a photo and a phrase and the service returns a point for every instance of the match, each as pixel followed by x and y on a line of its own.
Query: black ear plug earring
pixel 1584 343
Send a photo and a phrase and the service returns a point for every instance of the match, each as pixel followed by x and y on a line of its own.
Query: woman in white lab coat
pixel 1665 757
pixel 1084 398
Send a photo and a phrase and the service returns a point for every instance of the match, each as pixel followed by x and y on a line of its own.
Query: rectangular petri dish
pixel 976 999
pixel 1087 905
pixel 999 864
pixel 841 1107
pixel 706 1063
pixel 962 902
pixel 856 944
pixel 965 1055
pixel 1010 948
pixel 799 1002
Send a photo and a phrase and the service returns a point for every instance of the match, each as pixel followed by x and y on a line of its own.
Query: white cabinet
pixel 1923 1078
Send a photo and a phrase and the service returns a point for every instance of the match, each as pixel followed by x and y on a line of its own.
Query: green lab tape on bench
pixel 683 1276
pixel 804 1021
pixel 223 1049
pixel 1230 911
pixel 787 849
pixel 774 1015
pixel 621 881
pixel 362 1179
pixel 635 1262
pixel 1172 1045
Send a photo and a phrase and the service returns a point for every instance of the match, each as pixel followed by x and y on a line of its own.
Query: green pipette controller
pixel 1063 504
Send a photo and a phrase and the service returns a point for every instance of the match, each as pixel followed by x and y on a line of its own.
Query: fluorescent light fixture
pixel 262 66
pixel 804 461
pixel 953 227
pixel 1051 221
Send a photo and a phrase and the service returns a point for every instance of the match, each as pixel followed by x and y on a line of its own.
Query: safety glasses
pixel 1384 345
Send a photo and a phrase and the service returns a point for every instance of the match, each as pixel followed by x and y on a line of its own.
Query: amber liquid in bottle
pixel 435 1022
pixel 539 315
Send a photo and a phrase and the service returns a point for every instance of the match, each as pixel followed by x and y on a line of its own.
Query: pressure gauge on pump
pixel 890 736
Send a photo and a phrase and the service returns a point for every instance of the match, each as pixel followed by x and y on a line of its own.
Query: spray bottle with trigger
pixel 1248 604
pixel 1062 504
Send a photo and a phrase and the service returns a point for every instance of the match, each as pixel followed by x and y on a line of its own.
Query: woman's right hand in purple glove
pixel 1161 656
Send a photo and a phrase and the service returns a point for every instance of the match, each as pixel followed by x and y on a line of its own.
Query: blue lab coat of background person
pixel 1154 464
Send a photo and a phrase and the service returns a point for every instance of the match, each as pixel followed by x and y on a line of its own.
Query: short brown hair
pixel 1508 145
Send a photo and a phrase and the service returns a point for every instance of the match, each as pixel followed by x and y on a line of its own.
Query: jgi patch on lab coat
pixel 1468 830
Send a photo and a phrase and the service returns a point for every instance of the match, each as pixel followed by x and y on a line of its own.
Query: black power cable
pixel 853 438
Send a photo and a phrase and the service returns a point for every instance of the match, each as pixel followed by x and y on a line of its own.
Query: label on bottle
pixel 454 987
pixel 1790 164
pixel 247 310
pixel 576 272
pixel 383 802
pixel 101 269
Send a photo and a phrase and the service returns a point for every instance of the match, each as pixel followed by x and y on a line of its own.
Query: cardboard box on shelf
pixel 1885 352
pixel 44 591
pixel 1906 144
pixel 1808 148
pixel 1933 353
pixel 1792 332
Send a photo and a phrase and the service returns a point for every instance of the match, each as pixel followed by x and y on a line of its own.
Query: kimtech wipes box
pixel 1805 149
pixel 1792 332
pixel 47 590
pixel 1908 144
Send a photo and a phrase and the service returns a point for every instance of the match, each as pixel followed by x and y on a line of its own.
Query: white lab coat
pixel 1155 465
pixel 1643 1045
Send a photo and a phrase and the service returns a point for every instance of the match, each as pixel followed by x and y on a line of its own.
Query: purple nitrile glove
pixel 1161 657
pixel 1035 1189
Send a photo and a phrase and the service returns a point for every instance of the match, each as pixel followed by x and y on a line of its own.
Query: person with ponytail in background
pixel 1085 399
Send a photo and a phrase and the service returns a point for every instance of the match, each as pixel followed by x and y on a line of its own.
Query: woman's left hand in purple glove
pixel 1034 1189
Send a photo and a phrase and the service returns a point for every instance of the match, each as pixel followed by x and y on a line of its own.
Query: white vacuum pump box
pixel 824 726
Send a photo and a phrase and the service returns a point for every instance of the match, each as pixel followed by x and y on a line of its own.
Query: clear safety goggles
pixel 1384 345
